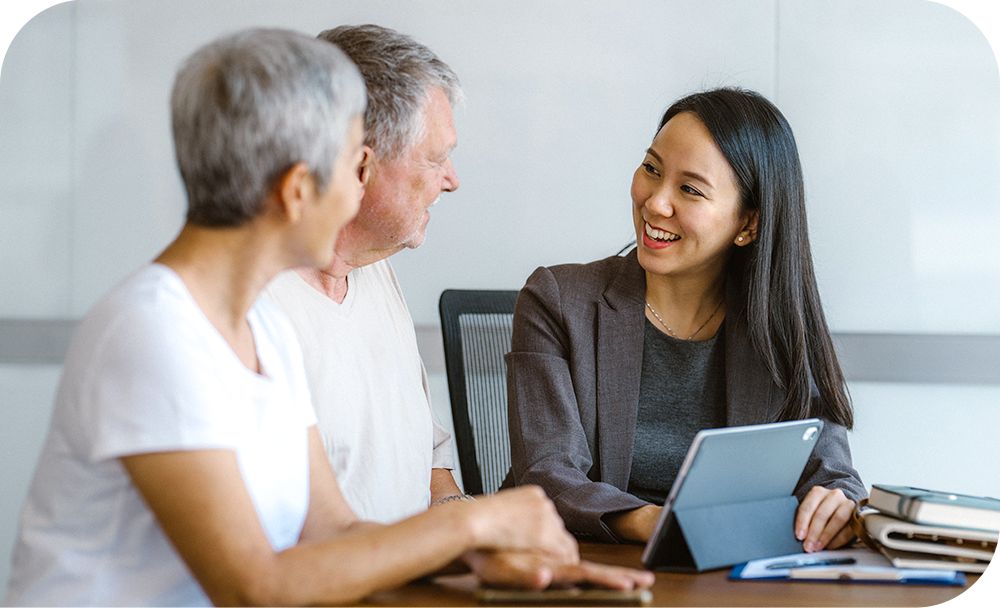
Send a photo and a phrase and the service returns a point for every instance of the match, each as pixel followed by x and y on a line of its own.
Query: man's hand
pixel 527 570
pixel 821 520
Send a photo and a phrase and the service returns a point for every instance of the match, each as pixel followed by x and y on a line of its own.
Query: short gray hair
pixel 249 106
pixel 399 73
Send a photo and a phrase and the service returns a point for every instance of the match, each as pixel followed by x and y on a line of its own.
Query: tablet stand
pixel 715 536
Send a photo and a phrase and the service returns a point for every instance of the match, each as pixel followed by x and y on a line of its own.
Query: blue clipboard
pixel 867 567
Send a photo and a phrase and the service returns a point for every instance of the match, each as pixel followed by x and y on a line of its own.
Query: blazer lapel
pixel 619 369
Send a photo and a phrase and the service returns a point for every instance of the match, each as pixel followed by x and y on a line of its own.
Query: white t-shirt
pixel 369 390
pixel 147 372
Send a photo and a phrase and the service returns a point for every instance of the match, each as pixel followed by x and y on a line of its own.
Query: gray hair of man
pixel 248 107
pixel 399 73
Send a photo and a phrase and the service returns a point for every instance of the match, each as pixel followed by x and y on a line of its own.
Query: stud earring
pixel 740 239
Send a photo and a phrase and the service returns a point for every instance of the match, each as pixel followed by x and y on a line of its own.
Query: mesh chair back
pixel 476 327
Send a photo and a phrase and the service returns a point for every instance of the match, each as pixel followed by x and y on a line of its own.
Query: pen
pixel 806 563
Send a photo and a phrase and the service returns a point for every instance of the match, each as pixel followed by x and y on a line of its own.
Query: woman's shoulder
pixel 590 276
pixel 148 324
pixel 151 298
pixel 574 289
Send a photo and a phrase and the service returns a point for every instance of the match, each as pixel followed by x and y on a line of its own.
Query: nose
pixel 450 181
pixel 660 202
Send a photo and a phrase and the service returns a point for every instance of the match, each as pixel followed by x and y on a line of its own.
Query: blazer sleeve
pixel 830 465
pixel 548 442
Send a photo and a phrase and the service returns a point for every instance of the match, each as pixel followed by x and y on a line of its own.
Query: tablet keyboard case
pixel 736 502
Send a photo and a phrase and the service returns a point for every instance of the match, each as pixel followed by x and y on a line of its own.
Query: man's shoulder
pixel 380 271
pixel 377 280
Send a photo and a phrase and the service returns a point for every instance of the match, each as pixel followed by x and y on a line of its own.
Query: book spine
pixel 906 508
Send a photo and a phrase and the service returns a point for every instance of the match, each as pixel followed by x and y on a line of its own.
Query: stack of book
pixel 916 528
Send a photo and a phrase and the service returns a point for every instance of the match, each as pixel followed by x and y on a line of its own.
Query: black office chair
pixel 476 327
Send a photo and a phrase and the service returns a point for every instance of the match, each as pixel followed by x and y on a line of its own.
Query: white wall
pixel 896 107
pixel 894 103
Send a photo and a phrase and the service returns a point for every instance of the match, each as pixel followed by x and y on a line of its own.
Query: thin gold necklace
pixel 671 332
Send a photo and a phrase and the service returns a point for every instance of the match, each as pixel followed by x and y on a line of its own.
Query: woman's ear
pixel 748 233
pixel 295 188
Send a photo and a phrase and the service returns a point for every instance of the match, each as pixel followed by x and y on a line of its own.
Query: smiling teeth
pixel 660 235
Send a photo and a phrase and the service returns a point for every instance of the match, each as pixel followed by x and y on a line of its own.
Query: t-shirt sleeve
pixel 302 403
pixel 283 341
pixel 443 456
pixel 153 386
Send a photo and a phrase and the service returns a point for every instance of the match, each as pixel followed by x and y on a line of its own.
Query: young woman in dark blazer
pixel 714 319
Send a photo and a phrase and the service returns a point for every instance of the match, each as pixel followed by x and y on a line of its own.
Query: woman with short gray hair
pixel 183 465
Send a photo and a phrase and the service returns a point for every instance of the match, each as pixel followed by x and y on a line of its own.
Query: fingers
pixel 514 570
pixel 525 519
pixel 536 571
pixel 845 536
pixel 612 577
pixel 830 512
pixel 806 509
pixel 556 540
pixel 834 513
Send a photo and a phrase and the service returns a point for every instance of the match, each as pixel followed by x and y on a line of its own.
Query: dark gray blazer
pixel 573 378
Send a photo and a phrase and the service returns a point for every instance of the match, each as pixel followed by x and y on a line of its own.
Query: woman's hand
pixel 521 519
pixel 821 520
pixel 636 525
pixel 536 571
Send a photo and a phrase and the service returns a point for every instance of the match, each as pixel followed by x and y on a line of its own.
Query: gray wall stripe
pixel 919 358
pixel 866 357
pixel 34 341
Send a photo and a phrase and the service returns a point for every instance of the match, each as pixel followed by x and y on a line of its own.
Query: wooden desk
pixel 707 589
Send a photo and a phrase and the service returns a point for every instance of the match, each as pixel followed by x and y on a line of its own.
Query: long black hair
pixel 774 274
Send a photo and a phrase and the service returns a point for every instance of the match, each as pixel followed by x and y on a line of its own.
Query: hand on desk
pixel 521 519
pixel 535 571
pixel 821 520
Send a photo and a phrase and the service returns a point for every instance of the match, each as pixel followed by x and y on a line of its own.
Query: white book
pixel 929 561
pixel 937 508
pixel 940 540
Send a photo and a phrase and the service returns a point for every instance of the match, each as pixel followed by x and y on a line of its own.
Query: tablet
pixel 729 474
pixel 573 596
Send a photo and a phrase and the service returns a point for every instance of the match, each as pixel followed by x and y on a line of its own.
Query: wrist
pixel 473 522
pixel 453 498
pixel 636 525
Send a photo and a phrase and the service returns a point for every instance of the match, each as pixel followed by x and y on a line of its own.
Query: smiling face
pixel 686 204
pixel 395 208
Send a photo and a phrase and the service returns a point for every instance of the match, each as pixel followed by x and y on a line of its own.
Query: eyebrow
pixel 691 174
pixel 447 153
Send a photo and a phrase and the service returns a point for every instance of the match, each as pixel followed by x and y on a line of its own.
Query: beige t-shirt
pixel 369 390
